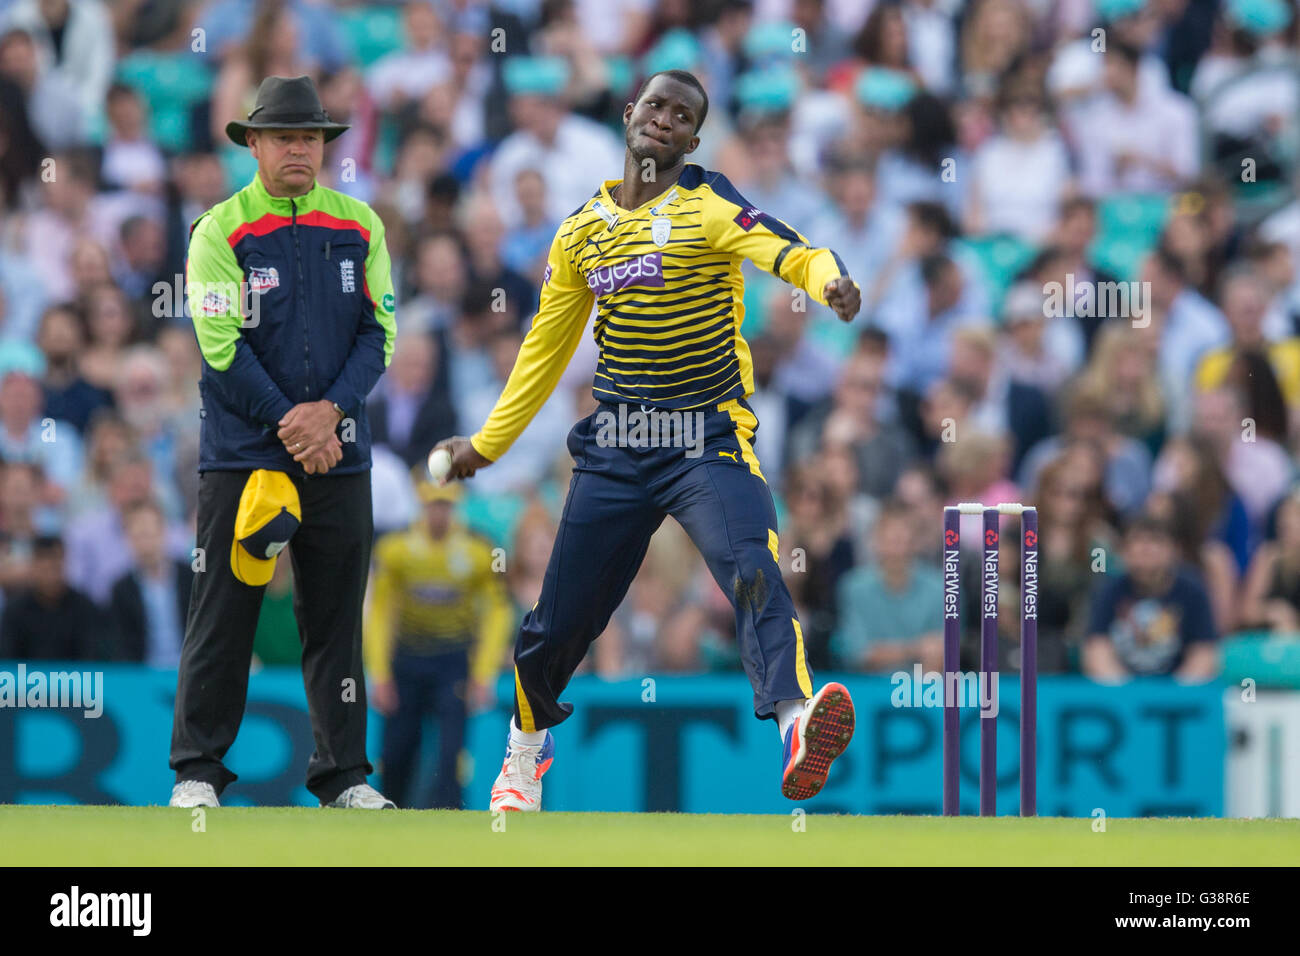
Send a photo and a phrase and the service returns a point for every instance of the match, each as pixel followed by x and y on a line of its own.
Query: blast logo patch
pixel 262 279
pixel 214 303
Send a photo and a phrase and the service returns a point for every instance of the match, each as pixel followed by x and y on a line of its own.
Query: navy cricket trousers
pixel 427 684
pixel 621 490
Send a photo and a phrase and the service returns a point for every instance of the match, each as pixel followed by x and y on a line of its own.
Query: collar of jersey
pixel 609 184
pixel 281 204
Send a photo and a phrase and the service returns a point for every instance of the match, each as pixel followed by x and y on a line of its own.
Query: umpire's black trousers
pixel 331 558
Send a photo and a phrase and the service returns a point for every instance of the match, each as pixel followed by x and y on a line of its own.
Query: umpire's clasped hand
pixel 308 434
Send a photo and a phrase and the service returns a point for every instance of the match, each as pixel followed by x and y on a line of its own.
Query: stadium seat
pixel 831 335
pixel 374 30
pixel 622 75
pixel 1120 255
pixel 171 84
pixel 1138 217
pixel 1128 227
pixel 1000 257
pixel 239 165
pixel 1272 661
pixel 493 516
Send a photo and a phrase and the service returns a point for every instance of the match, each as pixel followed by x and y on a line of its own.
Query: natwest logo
pixel 747 218
pixel 644 270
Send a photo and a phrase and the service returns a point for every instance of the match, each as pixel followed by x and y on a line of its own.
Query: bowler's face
pixel 288 159
pixel 661 124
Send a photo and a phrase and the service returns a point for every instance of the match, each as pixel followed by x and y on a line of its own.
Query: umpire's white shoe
pixel 193 793
pixel 362 797
pixel 519 784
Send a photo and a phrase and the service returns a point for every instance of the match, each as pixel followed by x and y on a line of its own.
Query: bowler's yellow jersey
pixel 666 281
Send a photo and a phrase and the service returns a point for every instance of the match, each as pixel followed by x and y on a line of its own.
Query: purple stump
pixel 951 661
pixel 989 664
pixel 1029 663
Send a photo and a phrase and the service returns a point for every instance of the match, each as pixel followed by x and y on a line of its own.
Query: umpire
pixel 289 287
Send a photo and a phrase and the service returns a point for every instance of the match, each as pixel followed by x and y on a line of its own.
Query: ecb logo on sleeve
pixel 660 229
pixel 347 276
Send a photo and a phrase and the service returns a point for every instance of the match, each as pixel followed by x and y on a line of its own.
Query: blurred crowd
pixel 985 169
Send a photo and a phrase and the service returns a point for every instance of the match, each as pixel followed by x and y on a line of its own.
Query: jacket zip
pixel 301 304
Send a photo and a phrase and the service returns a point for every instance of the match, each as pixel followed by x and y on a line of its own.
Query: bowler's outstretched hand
pixel 465 461
pixel 844 297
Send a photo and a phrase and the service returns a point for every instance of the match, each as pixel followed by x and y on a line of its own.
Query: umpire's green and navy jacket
pixel 292 301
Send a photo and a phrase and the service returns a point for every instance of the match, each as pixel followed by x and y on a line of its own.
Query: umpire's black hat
pixel 286 103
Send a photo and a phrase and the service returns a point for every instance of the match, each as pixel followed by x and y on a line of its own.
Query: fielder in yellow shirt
pixel 436 632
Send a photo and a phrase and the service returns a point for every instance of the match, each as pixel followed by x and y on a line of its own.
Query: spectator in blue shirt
pixel 1154 618
pixel 891 611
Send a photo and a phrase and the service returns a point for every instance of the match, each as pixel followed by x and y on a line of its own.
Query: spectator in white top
pixel 1131 140
pixel 53 109
pixel 858 223
pixel 532 453
pixel 70 212
pixel 1284 226
pixel 1184 322
pixel 570 152
pixel 131 159
pixel 1246 82
pixel 1037 350
pixel 931 41
pixel 804 370
pixel 1021 173
pixel 406 75
pixel 26 435
pixel 74 38
pixel 441 274
pixel 763 169
pixel 460 103
pixel 614 26
pixel 1259 469
pixel 1076 74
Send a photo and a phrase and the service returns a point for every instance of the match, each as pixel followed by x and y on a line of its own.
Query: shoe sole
pixel 511 808
pixel 825 737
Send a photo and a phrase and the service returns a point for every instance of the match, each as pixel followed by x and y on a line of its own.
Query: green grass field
pixel 95 836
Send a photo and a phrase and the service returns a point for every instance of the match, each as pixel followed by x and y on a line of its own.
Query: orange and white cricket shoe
pixel 519 784
pixel 815 739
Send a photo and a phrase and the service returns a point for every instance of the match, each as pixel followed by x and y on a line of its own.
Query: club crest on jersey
pixel 660 229
pixel 747 218
pixel 644 270
pixel 260 279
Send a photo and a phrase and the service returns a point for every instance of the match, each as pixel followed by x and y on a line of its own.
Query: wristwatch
pixel 342 413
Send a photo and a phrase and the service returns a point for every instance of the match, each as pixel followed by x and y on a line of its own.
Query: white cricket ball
pixel 439 464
